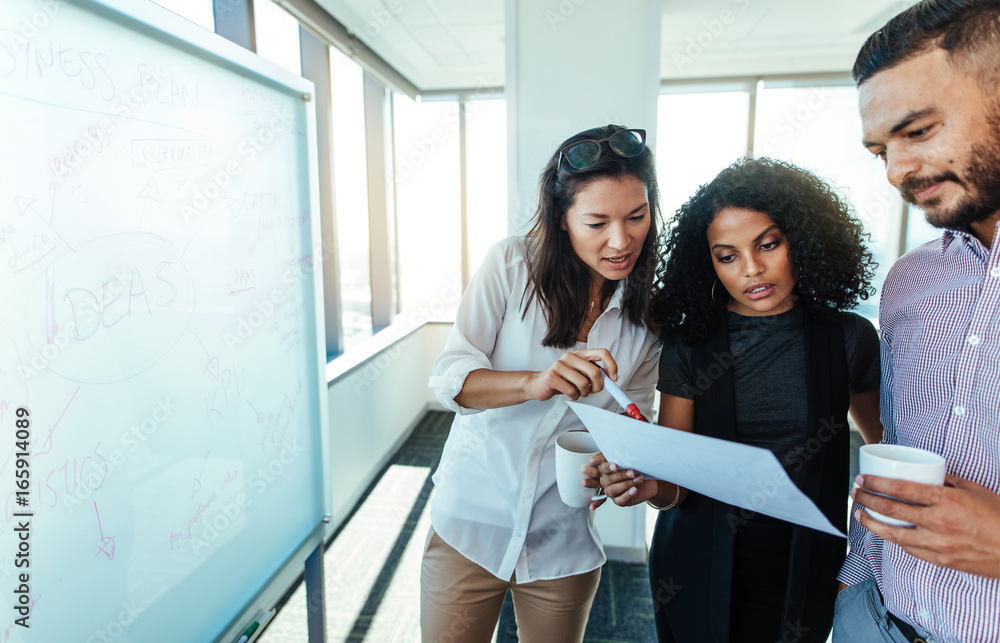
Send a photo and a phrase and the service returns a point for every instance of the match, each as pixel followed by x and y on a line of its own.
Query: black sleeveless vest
pixel 690 565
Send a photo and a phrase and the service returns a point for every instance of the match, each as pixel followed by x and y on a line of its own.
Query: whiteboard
pixel 160 267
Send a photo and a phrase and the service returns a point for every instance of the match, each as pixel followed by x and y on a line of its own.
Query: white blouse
pixel 496 500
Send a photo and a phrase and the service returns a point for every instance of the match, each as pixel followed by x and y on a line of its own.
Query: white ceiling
pixel 449 44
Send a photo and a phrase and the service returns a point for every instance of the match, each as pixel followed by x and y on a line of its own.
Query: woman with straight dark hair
pixel 536 319
pixel 762 264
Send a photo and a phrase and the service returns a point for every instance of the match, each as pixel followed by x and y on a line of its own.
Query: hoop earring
pixel 714 301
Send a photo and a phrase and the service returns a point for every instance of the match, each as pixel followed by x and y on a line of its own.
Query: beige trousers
pixel 460 601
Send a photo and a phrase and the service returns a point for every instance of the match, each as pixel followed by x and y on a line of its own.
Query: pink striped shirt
pixel 940 323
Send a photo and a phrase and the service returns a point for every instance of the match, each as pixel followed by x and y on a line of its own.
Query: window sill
pixel 355 358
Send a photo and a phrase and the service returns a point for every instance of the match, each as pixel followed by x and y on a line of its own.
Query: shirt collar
pixel 970 240
pixel 949 236
pixel 618 295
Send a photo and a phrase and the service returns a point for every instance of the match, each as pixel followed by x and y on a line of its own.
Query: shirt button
pixel 959 410
pixel 973 339
pixel 995 272
pixel 537 451
pixel 519 534
pixel 527 494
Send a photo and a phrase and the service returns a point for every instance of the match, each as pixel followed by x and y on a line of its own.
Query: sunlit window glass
pixel 351 194
pixel 197 11
pixel 698 135
pixel 428 207
pixel 819 129
pixel 277 34
pixel 486 176
pixel 918 231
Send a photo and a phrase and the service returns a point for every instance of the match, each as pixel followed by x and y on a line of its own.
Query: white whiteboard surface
pixel 160 320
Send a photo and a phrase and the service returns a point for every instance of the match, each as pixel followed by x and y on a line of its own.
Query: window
pixel 818 128
pixel 918 231
pixel 277 35
pixel 428 206
pixel 351 196
pixel 698 136
pixel 486 176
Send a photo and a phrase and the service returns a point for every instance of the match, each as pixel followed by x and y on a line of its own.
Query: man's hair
pixel 969 30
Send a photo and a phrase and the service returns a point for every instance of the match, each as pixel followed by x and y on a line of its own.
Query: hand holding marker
pixel 630 408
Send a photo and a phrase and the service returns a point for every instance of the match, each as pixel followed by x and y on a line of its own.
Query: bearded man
pixel 929 84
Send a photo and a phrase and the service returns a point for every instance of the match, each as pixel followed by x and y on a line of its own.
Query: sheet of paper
pixel 736 474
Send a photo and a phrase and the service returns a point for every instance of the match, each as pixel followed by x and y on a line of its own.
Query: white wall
pixel 572 67
pixel 374 405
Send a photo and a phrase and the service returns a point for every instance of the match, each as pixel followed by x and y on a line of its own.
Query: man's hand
pixel 956 526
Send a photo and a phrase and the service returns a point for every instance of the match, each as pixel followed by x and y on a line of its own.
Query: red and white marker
pixel 630 408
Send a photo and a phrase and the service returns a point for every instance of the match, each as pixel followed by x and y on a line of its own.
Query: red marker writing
pixel 630 408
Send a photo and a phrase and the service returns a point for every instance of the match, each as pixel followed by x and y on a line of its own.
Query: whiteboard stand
pixel 315 596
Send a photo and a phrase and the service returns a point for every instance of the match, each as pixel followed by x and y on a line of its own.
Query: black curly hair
pixel 826 243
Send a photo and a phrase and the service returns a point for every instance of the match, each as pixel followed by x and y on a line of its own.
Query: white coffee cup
pixel 573 452
pixel 904 463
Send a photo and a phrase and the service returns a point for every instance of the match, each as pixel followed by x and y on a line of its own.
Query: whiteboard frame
pixel 155 21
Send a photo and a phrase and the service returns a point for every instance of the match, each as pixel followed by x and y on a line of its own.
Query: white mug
pixel 904 463
pixel 574 451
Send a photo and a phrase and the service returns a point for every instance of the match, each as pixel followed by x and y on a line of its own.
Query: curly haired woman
pixel 762 262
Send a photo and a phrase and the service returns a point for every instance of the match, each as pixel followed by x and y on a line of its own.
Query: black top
pixel 769 375
pixel 774 382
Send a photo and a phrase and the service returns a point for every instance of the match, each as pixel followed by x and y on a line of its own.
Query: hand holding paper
pixel 733 473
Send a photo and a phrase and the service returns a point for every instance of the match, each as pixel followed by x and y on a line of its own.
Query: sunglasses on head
pixel 583 154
